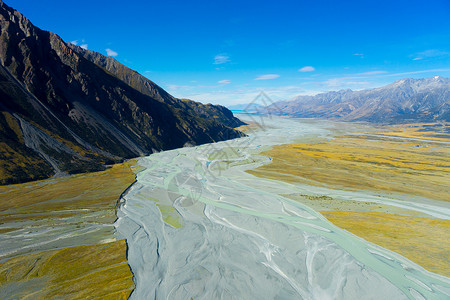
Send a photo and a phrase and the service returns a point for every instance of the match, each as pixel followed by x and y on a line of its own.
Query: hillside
pixel 67 110
pixel 405 100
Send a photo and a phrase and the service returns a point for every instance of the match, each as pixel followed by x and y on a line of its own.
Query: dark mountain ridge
pixel 405 100
pixel 68 110
pixel 147 87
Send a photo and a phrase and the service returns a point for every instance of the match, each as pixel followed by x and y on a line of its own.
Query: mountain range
pixel 405 100
pixel 65 110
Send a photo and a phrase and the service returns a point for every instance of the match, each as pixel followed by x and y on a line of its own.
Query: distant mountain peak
pixel 404 100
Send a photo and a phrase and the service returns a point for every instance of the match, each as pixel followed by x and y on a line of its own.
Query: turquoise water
pixel 240 239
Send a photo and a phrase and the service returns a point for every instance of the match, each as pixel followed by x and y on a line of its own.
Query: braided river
pixel 198 226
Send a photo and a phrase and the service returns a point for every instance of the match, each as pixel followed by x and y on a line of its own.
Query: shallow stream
pixel 197 225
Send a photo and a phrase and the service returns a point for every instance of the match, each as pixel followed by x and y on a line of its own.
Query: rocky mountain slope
pixel 68 110
pixel 147 87
pixel 405 100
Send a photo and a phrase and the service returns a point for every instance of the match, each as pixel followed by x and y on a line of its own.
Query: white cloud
pixel 74 42
pixel 225 81
pixel 343 82
pixel 361 55
pixel 84 46
pixel 307 69
pixel 174 87
pixel 357 82
pixel 243 95
pixel 335 82
pixel 221 59
pixel 372 73
pixel 110 52
pixel 267 76
pixel 431 53
pixel 419 72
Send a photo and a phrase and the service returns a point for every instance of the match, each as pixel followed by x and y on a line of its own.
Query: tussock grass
pixel 376 164
pixel 422 240
pixel 366 164
pixel 79 271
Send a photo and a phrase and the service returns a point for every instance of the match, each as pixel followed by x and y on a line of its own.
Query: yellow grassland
pixel 422 240
pixel 81 191
pixel 427 131
pixel 362 163
pixel 250 127
pixel 383 165
pixel 82 272
pixel 96 270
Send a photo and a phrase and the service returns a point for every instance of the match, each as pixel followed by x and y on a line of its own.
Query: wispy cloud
pixel 361 55
pixel 112 53
pixel 83 45
pixel 267 76
pixel 221 59
pixel 307 69
pixel 242 95
pixel 225 81
pixel 372 73
pixel 431 53
pixel 366 79
pixel 175 88
pixel 358 82
pixel 344 82
pixel 419 72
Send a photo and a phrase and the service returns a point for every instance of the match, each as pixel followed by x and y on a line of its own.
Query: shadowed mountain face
pixel 406 100
pixel 68 110
pixel 147 87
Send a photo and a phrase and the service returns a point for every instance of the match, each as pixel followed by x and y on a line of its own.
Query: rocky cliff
pixel 68 110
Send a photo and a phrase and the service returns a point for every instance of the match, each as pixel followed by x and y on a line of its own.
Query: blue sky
pixel 228 51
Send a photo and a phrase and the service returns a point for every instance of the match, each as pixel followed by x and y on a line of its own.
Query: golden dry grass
pixel 250 127
pixel 383 165
pixel 98 270
pixel 71 273
pixel 366 164
pixel 82 191
pixel 427 131
pixel 422 240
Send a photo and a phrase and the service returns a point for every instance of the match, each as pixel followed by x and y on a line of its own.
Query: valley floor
pixel 408 160
pixel 238 219
pixel 57 237
pixel 199 224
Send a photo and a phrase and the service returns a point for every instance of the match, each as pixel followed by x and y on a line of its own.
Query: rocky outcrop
pixel 72 110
